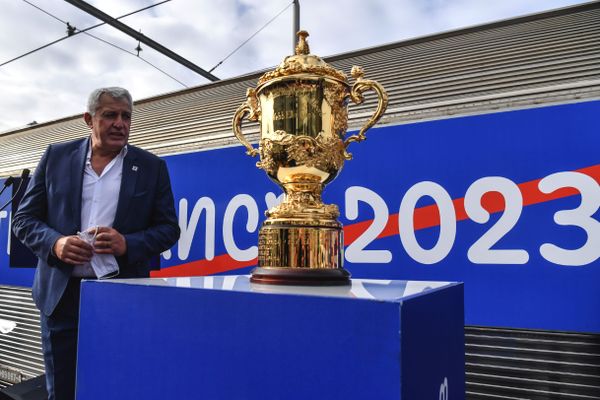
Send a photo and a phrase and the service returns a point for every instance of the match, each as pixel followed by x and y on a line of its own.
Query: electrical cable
pixel 137 56
pixel 250 38
pixel 9 181
pixel 102 23
pixel 34 50
pixel 44 11
pixel 23 179
pixel 78 31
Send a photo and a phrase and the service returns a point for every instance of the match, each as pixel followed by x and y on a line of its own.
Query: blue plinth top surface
pixel 370 289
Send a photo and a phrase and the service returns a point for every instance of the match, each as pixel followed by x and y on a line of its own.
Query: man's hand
pixel 110 241
pixel 73 250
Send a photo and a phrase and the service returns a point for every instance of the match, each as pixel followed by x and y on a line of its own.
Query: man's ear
pixel 87 117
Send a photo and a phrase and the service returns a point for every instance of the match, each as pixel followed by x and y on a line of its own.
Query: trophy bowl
pixel 302 108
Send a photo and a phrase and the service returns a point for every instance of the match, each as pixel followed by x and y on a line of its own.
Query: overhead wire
pixel 34 50
pixel 78 31
pixel 250 38
pixel 44 11
pixel 101 23
pixel 141 58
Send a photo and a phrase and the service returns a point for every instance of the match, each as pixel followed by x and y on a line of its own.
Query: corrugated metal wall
pixel 543 59
pixel 20 349
pixel 532 365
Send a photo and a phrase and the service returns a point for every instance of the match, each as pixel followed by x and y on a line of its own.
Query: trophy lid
pixel 303 63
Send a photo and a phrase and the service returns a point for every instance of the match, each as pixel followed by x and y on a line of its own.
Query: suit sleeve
pixel 29 222
pixel 163 230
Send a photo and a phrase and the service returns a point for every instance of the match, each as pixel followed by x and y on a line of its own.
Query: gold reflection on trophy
pixel 302 110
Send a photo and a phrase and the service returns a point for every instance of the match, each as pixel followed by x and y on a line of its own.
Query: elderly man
pixel 95 208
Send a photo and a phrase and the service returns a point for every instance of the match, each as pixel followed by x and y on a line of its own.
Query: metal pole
pixel 144 39
pixel 296 25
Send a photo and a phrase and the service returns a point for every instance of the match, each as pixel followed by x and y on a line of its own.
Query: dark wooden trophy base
pixel 301 276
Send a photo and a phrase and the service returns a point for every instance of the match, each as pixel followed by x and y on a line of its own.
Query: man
pixel 95 207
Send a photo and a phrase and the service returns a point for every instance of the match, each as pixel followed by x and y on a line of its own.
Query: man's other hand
pixel 110 241
pixel 73 250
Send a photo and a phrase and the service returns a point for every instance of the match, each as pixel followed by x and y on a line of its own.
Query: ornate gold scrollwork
pixel 298 204
pixel 356 95
pixel 249 109
pixel 324 152
pixel 335 95
pixel 302 63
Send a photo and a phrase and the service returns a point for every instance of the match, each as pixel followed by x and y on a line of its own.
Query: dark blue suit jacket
pixel 51 208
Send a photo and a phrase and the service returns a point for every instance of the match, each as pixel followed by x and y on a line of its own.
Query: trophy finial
pixel 302 46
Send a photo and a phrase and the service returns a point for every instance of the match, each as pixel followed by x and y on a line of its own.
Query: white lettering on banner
pixel 580 217
pixel 189 229
pixel 240 200
pixel 356 252
pixel 273 200
pixel 447 223
pixel 444 390
pixel 481 251
pixel 4 214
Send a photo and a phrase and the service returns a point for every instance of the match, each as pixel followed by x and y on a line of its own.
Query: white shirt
pixel 99 198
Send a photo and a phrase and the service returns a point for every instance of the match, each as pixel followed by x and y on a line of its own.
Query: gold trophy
pixel 302 110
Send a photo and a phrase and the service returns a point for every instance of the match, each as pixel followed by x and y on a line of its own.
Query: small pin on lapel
pixel 134 168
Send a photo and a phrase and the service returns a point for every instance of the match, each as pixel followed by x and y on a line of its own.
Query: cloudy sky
pixel 54 82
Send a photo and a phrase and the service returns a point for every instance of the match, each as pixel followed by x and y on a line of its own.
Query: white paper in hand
pixel 104 265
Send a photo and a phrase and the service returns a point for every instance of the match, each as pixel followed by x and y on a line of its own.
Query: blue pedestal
pixel 225 338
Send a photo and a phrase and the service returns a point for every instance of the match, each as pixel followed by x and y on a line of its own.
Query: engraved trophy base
pixel 300 252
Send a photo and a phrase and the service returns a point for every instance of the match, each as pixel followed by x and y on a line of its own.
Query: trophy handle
pixel 249 109
pixel 356 95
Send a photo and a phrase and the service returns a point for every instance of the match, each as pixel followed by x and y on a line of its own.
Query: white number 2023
pixel 480 252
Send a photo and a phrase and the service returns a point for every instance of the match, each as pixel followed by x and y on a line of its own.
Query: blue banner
pixel 10 276
pixel 506 203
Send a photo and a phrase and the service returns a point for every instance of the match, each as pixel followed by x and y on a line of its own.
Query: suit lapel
pixel 128 180
pixel 77 165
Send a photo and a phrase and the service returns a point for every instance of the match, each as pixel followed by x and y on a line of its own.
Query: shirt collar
pixel 88 156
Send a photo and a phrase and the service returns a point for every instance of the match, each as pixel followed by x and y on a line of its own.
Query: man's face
pixel 110 124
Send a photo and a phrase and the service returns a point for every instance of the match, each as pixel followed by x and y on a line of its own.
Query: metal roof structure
pixel 546 58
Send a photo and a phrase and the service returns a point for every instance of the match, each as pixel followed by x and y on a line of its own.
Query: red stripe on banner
pixel 424 217
pixel 218 264
pixel 493 202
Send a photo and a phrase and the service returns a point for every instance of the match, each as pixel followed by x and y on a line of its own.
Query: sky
pixel 54 82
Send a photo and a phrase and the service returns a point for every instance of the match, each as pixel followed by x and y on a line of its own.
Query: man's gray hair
pixel 114 92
